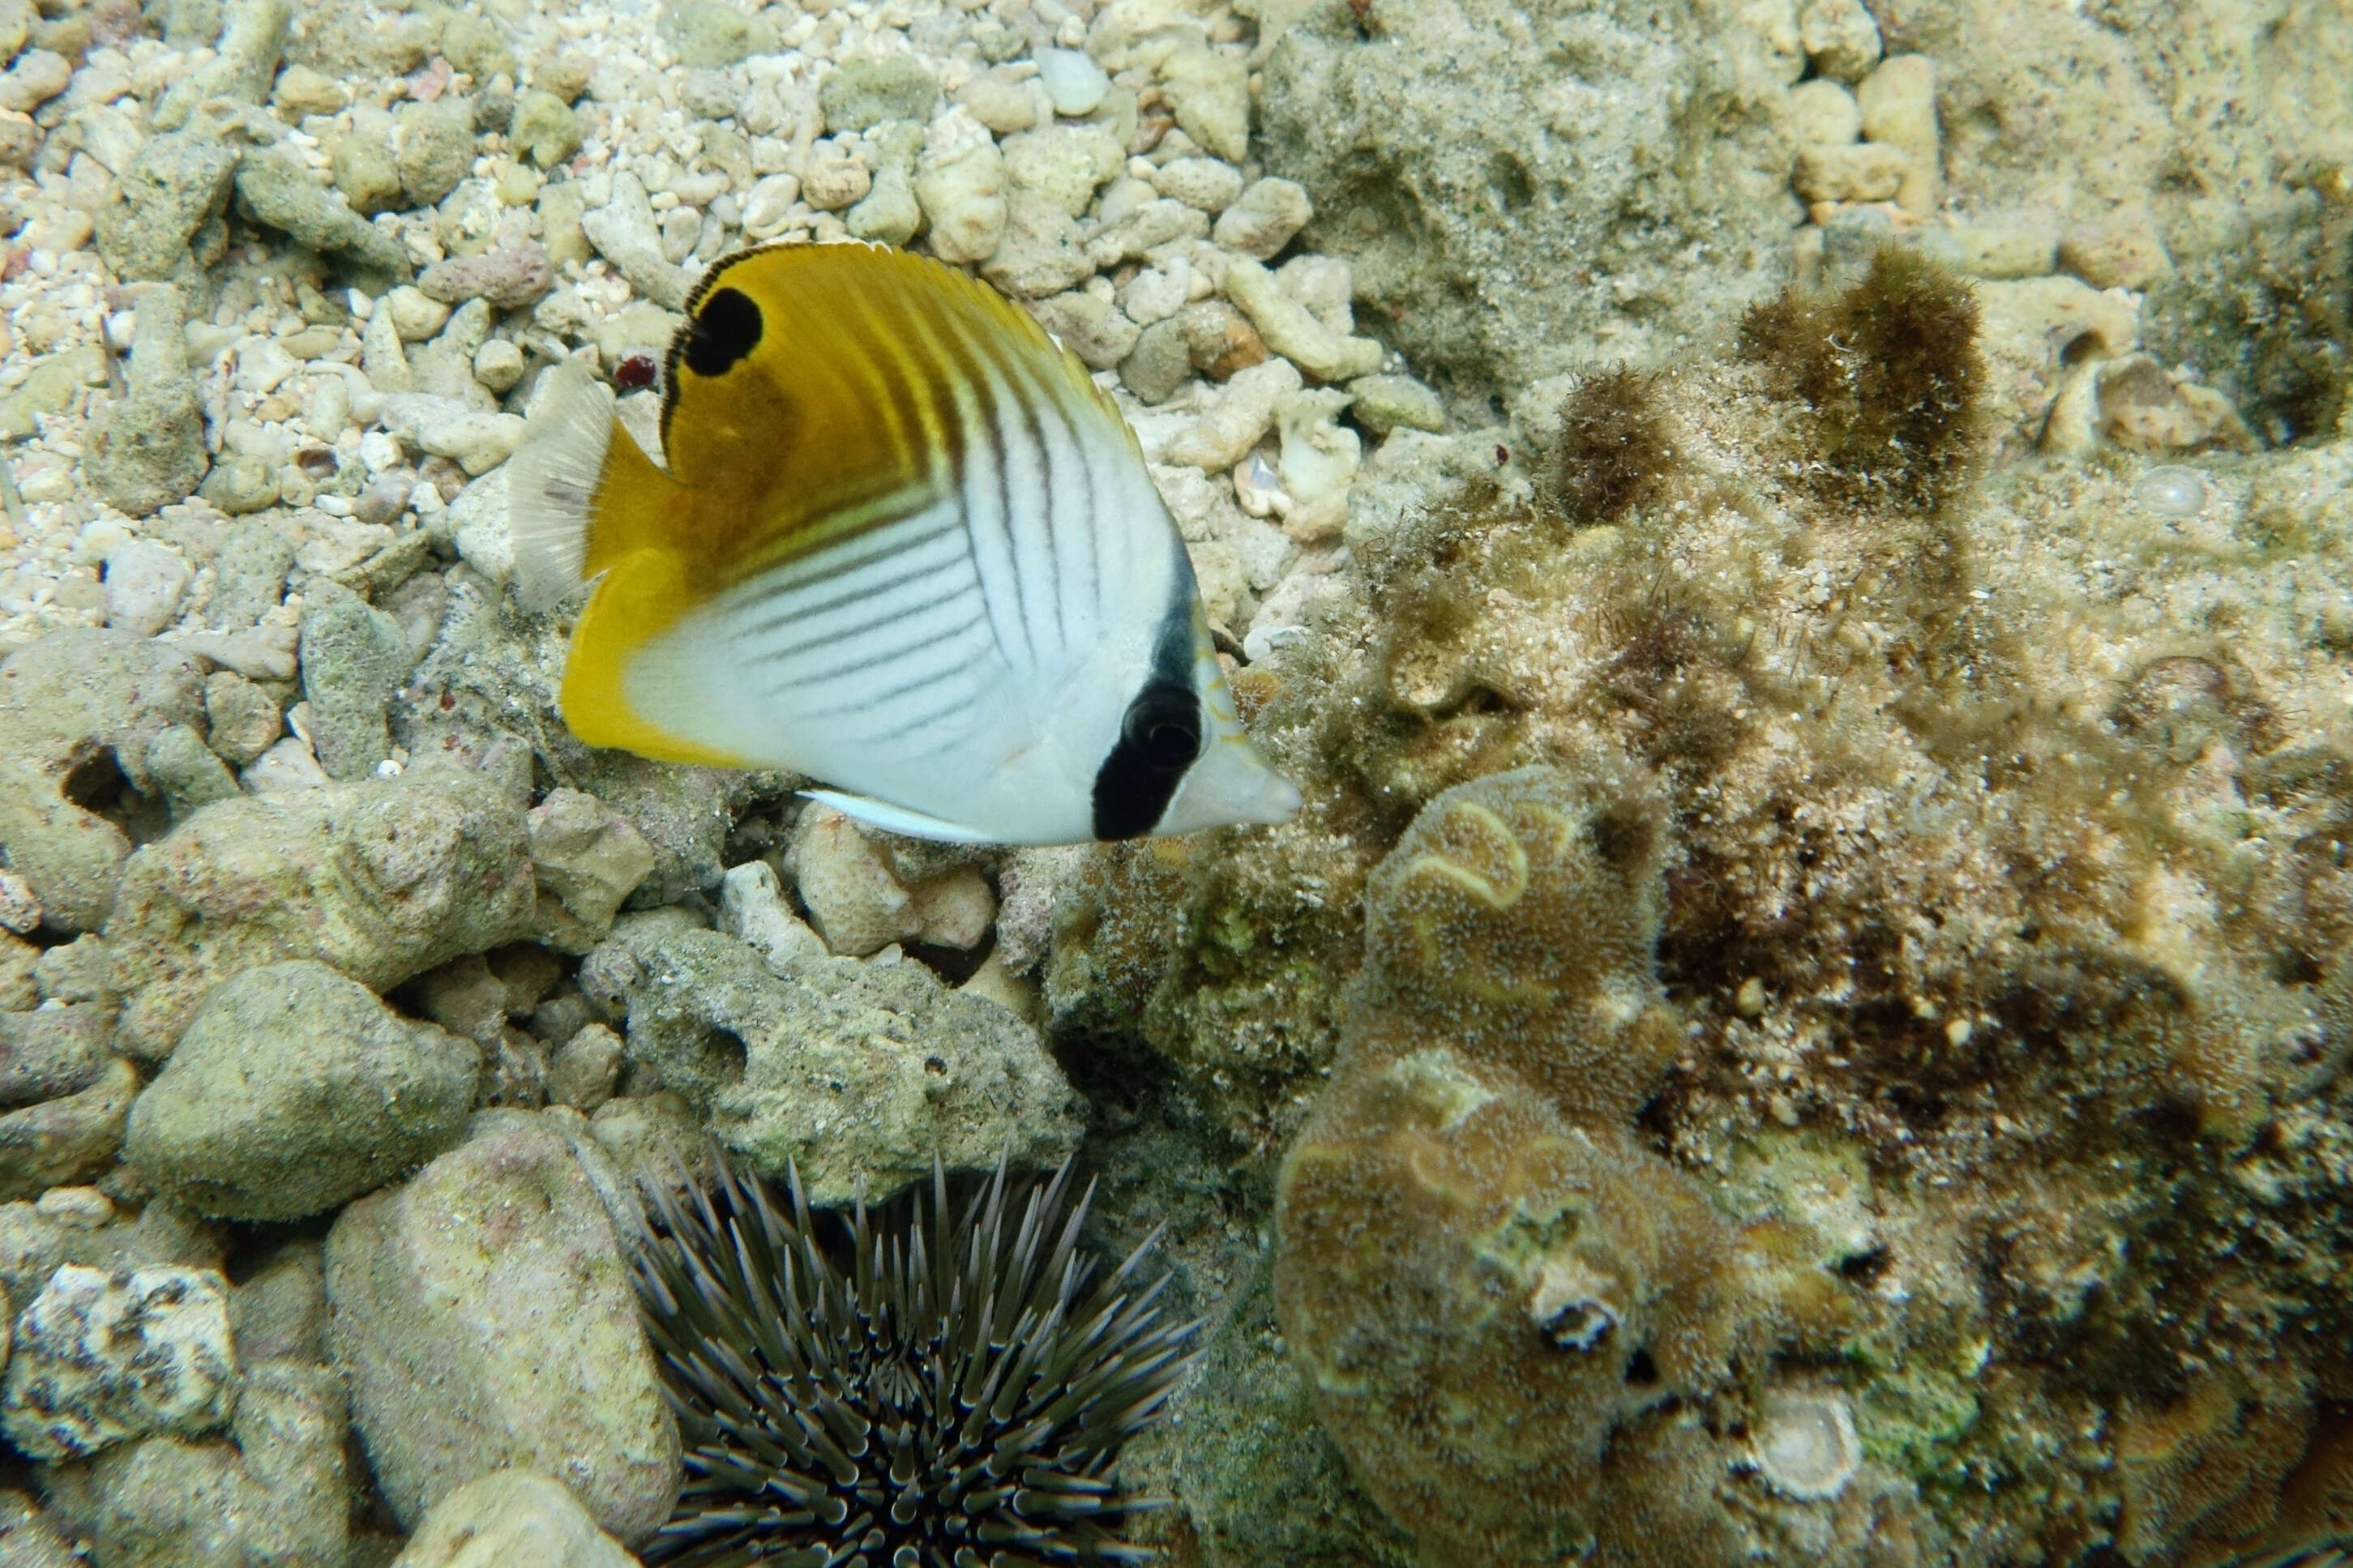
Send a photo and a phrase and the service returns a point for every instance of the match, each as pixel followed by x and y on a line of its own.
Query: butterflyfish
pixel 899 543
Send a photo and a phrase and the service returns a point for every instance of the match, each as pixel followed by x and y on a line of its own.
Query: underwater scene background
pixel 1800 553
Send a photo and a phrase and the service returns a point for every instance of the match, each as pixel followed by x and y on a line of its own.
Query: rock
pixel 999 101
pixel 52 1052
pixel 544 129
pixel 1041 253
pixel 623 232
pixel 1160 364
pixel 20 910
pixel 2121 250
pixel 1262 219
pixel 1231 426
pixel 853 1072
pixel 1401 143
pixel 854 898
pixel 484 1316
pixel 363 167
pixel 1856 171
pixel 751 909
pixel 354 657
pixel 1898 100
pixel 148 451
pixel 1291 329
pixel 1221 341
pixel 178 185
pixel 964 203
pixel 249 574
pixel 434 150
pixel 833 184
pixel 243 719
pixel 1212 185
pixel 890 214
pixel 36 77
pixel 186 772
pixel 2143 408
pixel 586 859
pixel 51 388
pixel 708 35
pixel 1823 112
pixel 1145 230
pixel 272 1492
pixel 103 1358
pixel 1839 38
pixel 1090 325
pixel 954 909
pixel 381 879
pixel 863 91
pixel 476 439
pixel 1064 163
pixel 1211 93
pixel 584 1069
pixel 472 44
pixel 252 40
pixel 511 1518
pixel 144 583
pixel 1386 403
pixel 508 278
pixel 274 188
pixel 1074 84
pixel 27 1538
pixel 294 1090
pixel 72 1138
pixel 1991 250
pixel 77 710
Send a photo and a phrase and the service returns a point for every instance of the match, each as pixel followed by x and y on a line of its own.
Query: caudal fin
pixel 552 484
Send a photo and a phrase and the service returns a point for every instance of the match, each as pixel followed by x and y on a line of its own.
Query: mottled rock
pixel 853 1072
pixel 1064 163
pixel 245 57
pixel 485 1317
pixel 293 1090
pixel 249 574
pixel 186 772
pixel 1232 424
pixel 584 1069
pixel 72 1138
pixel 434 151
pixel 1384 403
pixel 178 184
pixel 1090 325
pixel 144 583
pixel 854 898
pixel 707 35
pixel 864 91
pixel 1041 253
pixel 751 909
pixel 1160 363
pixel 2121 250
pixel 544 129
pixel 508 278
pixel 1211 93
pixel 623 232
pixel 244 720
pixel 588 858
pixel 275 188
pixel 890 214
pixel 382 880
pixel 963 198
pixel 511 1518
pixel 102 1358
pixel 354 657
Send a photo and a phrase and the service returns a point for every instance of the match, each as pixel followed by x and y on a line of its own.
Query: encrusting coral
pixel 1483 1271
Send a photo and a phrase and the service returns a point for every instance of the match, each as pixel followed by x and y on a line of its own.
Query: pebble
pixel 1898 100
pixel 625 233
pixel 1064 163
pixel 584 1070
pixel 511 1518
pixel 1386 403
pixel 1222 343
pixel 508 278
pixel 1839 38
pixel 751 909
pixel 1211 93
pixel 854 898
pixel 37 77
pixel 2171 491
pixel 769 207
pixel 1241 414
pixel 1292 329
pixel 20 911
pixel 963 197
pixel 1212 185
pixel 103 1358
pixel 1263 218
pixel 1991 250
pixel 1823 112
pixel 2121 250
pixel 1089 325
pixel 831 184
pixel 144 582
pixel 475 439
pixel 1001 99
pixel 1074 83
pixel 1858 172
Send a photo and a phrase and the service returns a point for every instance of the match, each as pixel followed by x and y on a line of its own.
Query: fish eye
pixel 1163 725
pixel 724 331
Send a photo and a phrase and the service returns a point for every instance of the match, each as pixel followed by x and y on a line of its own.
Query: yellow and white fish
pixel 902 545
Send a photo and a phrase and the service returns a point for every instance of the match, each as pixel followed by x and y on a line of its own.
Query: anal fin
pixel 900 819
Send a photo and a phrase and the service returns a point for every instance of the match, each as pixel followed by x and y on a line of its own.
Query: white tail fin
pixel 552 482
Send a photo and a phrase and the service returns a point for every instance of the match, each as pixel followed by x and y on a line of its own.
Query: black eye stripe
pixel 724 331
pixel 1158 740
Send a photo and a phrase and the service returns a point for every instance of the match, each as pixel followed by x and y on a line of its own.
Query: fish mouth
pixel 1230 784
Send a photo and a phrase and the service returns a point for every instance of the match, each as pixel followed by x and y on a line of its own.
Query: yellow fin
pixel 642 597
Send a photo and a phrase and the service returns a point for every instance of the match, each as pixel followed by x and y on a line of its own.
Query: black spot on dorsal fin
pixel 724 331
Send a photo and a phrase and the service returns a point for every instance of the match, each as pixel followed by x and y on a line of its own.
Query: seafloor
pixel 1801 555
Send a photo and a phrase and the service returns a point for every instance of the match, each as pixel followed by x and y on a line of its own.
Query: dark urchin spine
pixel 956 1398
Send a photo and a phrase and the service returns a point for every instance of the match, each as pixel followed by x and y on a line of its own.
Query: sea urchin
pixel 951 1392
